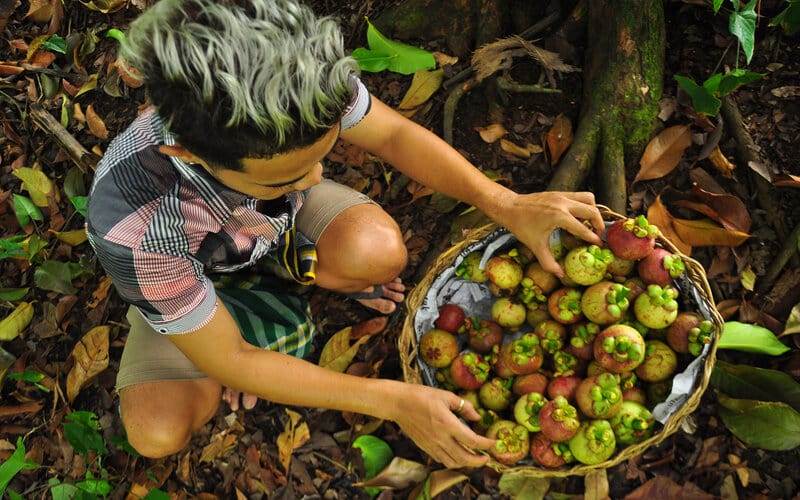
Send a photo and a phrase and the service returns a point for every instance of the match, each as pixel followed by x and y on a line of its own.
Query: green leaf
pixel 156 494
pixel 371 60
pixel 11 247
pixel 82 433
pixel 79 202
pixel 74 184
pixel 750 338
pixel 115 34
pixel 35 244
pixel 13 294
pixel 703 100
pixel 55 44
pixel 122 443
pixel 789 19
pixel 54 276
pixel 61 491
pixel 749 382
pixel 94 486
pixel 403 59
pixel 768 425
pixel 26 210
pixel 717 5
pixel 712 84
pixel 13 464
pixel 376 454
pixel 735 79
pixel 742 24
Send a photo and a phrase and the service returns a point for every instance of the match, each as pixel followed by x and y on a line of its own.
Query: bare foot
pixel 231 397
pixel 382 298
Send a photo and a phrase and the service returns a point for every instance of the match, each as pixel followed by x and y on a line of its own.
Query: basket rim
pixel 407 345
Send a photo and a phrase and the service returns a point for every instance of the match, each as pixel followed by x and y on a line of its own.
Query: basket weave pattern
pixel 408 346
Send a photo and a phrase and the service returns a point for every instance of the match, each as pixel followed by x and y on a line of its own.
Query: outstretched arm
pixel 424 413
pixel 426 158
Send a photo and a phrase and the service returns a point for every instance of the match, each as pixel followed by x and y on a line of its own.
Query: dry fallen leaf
pixel 663 153
pixel 705 232
pixel 423 86
pixel 730 211
pixel 71 238
pixel 91 357
pixel 491 133
pixel 400 473
pixel 96 125
pixel 786 180
pixel 40 11
pixel 559 138
pixel 292 437
pixel 721 163
pixel 418 191
pixel 515 149
pixel 16 322
pixel 657 214
pixel 371 326
pixel 443 59
pixel 438 482
pixel 338 353
pixel 100 293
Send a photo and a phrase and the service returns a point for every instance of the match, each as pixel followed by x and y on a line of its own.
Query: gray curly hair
pixel 241 78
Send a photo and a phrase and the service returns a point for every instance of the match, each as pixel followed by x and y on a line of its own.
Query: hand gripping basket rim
pixel 407 345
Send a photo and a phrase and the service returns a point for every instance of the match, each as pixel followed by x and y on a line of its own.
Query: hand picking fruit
pixel 567 369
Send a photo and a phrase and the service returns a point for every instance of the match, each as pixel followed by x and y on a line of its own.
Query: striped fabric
pixel 160 226
pixel 267 318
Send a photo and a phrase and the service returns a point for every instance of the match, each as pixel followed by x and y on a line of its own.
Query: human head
pixel 239 79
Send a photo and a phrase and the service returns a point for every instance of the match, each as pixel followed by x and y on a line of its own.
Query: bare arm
pixel 424 413
pixel 426 158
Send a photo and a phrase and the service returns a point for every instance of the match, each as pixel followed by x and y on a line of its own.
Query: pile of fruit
pixel 568 370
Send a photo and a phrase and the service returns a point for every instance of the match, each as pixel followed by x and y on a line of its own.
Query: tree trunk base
pixel 623 85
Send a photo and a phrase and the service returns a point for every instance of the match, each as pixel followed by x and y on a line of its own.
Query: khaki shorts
pixel 150 356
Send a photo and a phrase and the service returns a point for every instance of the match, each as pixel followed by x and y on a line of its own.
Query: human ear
pixel 182 154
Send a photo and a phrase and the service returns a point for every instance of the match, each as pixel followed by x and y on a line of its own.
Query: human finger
pixel 231 397
pixel 545 258
pixel 249 401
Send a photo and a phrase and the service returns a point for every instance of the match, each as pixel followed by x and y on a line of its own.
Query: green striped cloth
pixel 267 315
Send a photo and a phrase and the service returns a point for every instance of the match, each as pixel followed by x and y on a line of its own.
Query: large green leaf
pixel 742 24
pixel 12 247
pixel 403 59
pixel 83 432
pixel 703 100
pixel 54 276
pixel 768 425
pixel 735 79
pixel 749 382
pixel 789 19
pixel 13 464
pixel 26 210
pixel 750 338
pixel 371 60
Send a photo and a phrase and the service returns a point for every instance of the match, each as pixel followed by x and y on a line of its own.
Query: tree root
pixel 622 86
pixel 746 152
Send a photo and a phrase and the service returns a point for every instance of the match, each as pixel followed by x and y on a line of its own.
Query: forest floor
pixel 238 454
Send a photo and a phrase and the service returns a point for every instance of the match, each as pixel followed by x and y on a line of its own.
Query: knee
pixel 383 249
pixel 160 420
pixel 156 437
pixel 363 244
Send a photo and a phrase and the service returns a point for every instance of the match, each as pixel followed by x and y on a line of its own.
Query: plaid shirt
pixel 159 226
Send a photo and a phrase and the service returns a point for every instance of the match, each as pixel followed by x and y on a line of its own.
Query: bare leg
pixel 362 247
pixel 161 417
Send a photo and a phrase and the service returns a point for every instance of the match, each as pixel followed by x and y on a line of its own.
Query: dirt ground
pixel 236 455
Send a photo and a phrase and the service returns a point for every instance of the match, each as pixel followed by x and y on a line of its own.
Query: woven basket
pixel 694 276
